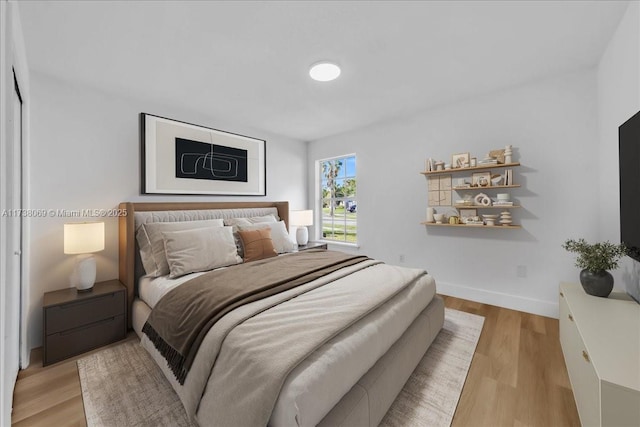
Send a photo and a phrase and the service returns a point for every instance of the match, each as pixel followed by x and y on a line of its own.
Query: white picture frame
pixel 183 158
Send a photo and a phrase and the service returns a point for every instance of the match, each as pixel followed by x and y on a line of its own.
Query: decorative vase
pixel 598 284
pixel 430 212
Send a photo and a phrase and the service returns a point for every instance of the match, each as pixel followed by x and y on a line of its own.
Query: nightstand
pixel 312 245
pixel 75 322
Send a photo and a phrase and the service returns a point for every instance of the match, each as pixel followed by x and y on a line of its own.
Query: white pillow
pixel 282 242
pixel 151 244
pixel 200 249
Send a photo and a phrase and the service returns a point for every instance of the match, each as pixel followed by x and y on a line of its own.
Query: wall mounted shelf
pixel 485 207
pixel 484 188
pixel 441 174
pixel 503 227
pixel 475 168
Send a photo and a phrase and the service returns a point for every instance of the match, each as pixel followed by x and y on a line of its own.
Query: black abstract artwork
pixel 200 160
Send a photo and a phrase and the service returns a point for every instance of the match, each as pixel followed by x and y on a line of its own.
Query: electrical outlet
pixel 521 271
pixel 401 258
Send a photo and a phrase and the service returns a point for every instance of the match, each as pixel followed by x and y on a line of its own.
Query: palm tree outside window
pixel 338 199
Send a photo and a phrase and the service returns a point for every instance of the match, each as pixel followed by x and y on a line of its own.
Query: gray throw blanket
pixel 181 319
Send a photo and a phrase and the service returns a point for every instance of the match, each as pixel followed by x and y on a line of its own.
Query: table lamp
pixel 83 238
pixel 302 220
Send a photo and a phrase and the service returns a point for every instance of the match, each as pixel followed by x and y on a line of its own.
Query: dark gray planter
pixel 598 284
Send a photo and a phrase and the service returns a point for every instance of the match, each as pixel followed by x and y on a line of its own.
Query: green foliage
pixel 348 189
pixel 331 170
pixel 338 191
pixel 332 187
pixel 596 257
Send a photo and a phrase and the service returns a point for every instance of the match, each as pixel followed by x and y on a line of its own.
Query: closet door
pixel 12 245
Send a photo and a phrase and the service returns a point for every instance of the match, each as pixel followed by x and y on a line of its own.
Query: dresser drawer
pixel 83 312
pixel 69 343
pixel 584 380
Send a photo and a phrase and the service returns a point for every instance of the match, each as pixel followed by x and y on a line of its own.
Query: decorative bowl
pixel 439 217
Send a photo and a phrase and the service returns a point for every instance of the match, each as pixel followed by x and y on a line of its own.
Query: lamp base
pixel 84 273
pixel 302 236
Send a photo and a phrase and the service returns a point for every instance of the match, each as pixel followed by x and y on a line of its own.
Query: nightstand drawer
pixel 69 343
pixel 83 312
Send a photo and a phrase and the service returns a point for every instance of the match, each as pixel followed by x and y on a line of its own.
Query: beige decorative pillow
pixel 200 249
pixel 279 234
pixel 151 244
pixel 257 244
pixel 235 222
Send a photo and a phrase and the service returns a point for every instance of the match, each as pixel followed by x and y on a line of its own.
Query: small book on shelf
pixel 508 177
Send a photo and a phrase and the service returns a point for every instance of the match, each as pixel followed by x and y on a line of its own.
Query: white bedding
pixel 151 289
pixel 310 391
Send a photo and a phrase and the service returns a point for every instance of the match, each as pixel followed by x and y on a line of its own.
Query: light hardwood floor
pixel 517 378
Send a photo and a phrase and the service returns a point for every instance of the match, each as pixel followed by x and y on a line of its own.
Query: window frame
pixel 319 201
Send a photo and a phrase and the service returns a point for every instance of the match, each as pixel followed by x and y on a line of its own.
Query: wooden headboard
pixel 127 232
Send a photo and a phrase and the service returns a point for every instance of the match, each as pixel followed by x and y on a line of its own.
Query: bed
pixel 349 377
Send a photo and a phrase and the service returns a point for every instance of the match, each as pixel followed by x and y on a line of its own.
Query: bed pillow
pixel 257 244
pixel 249 221
pixel 151 244
pixel 235 222
pixel 199 249
pixel 282 242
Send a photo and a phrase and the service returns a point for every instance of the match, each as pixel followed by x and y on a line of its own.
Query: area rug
pixel 121 385
pixel 430 395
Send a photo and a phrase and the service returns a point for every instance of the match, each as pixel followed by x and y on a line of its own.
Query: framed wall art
pixel 460 160
pixel 481 179
pixel 465 214
pixel 182 158
pixel 440 191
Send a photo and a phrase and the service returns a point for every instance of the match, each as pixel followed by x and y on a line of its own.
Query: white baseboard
pixel 513 302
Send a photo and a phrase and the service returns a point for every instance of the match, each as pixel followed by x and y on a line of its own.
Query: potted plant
pixel 595 260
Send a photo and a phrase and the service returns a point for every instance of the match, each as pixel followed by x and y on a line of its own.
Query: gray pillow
pixel 199 249
pixel 151 244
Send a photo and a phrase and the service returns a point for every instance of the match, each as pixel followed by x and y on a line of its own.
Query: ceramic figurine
pixel 507 154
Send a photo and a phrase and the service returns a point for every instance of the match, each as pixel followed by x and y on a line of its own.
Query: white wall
pixel 85 155
pixel 618 100
pixel 553 126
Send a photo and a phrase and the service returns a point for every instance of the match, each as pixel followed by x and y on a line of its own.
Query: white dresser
pixel 600 340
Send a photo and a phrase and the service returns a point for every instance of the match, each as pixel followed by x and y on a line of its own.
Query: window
pixel 338 199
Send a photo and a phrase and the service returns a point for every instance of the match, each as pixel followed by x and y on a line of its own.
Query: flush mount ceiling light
pixel 324 71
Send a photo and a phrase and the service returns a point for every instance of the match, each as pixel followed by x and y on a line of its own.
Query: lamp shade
pixel 301 218
pixel 83 237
